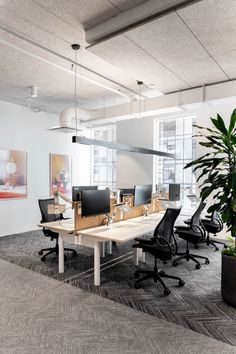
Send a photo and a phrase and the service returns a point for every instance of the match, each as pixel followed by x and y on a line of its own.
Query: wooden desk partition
pixel 93 221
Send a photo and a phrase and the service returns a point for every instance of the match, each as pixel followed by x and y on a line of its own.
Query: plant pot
pixel 228 279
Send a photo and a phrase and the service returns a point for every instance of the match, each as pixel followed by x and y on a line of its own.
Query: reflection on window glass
pixel 103 160
pixel 175 136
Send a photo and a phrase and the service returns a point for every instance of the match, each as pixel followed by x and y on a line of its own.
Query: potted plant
pixel 218 179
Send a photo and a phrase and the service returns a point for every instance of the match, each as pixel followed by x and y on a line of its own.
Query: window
pixel 175 136
pixel 103 160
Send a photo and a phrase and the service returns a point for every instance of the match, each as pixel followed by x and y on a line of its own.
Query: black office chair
pixel 193 233
pixel 213 225
pixel 162 246
pixel 43 206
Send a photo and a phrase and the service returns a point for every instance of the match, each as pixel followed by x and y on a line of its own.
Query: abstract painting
pixel 13 174
pixel 60 179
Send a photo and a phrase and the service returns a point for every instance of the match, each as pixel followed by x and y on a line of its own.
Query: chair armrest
pixel 145 240
pixel 187 222
pixel 181 228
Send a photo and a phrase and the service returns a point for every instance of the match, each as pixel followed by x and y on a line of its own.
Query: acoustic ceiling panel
pixel 201 72
pixel 129 57
pixel 86 12
pixel 213 22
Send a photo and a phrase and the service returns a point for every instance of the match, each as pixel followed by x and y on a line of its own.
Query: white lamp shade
pixel 67 117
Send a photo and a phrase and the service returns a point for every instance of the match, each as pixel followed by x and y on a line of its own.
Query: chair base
pixel 212 242
pixel 189 256
pixel 54 250
pixel 156 275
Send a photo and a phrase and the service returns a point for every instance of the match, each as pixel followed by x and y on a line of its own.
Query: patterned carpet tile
pixel 197 305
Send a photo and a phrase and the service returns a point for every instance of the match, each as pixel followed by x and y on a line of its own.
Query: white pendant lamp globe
pixel 69 117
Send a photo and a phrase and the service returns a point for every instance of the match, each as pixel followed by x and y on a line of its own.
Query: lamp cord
pixel 140 105
pixel 76 123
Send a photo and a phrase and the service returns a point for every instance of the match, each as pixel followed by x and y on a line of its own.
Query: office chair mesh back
pixel 43 205
pixel 165 227
pixel 216 220
pixel 195 220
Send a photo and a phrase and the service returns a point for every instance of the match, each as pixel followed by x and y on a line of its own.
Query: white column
pixel 61 254
pixel 97 264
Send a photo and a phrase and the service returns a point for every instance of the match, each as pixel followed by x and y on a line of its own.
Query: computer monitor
pixel 174 192
pixel 126 192
pixel 95 202
pixel 142 194
pixel 76 191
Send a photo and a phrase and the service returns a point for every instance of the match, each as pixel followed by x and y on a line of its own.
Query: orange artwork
pixel 60 179
pixel 13 174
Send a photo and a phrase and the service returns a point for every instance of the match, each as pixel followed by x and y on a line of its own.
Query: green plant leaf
pixel 219 124
pixel 232 121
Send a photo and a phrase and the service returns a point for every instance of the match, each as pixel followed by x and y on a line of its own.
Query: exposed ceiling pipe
pixel 119 86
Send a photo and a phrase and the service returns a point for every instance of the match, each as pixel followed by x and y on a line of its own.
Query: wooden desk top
pixel 61 226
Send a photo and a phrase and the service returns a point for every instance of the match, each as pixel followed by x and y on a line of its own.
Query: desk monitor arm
pixel 146 209
pixel 107 220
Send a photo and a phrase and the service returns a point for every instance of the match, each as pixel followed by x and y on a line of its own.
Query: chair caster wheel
pixel 161 273
pixel 166 292
pixel 175 264
pixel 43 258
pixel 40 253
pixel 197 266
pixel 74 254
pixel 136 274
pixel 216 249
pixel 207 261
pixel 181 282
pixel 136 285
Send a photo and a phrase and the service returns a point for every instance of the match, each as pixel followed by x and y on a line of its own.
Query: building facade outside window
pixel 103 160
pixel 175 136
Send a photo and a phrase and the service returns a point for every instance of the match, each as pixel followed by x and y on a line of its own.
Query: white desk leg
pixel 109 247
pixel 136 256
pixel 97 264
pixel 61 254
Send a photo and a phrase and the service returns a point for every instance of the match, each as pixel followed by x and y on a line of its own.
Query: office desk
pixel 119 232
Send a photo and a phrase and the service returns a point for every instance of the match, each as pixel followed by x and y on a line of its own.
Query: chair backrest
pixel 43 206
pixel 216 220
pixel 195 221
pixel 165 227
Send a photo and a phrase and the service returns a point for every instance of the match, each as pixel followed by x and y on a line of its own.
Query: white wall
pixel 134 168
pixel 24 130
pixel 138 169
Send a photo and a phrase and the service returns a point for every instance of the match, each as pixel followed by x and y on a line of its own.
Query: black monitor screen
pixel 126 191
pixel 142 194
pixel 174 192
pixel 95 202
pixel 76 191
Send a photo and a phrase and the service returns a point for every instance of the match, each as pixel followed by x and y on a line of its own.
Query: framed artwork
pixel 60 178
pixel 13 174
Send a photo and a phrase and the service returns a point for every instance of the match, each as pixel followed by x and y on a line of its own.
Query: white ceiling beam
pixel 132 18
pixel 161 104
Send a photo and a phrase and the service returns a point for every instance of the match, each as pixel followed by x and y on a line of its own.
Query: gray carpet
pixel 40 315
pixel 197 306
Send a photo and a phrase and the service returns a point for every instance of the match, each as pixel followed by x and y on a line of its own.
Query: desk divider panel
pixel 93 221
